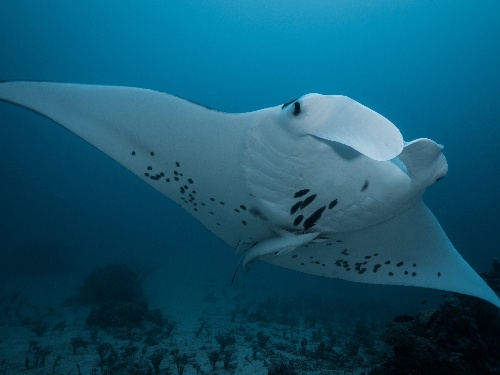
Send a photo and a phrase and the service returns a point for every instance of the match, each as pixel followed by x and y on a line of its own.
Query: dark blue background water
pixel 431 67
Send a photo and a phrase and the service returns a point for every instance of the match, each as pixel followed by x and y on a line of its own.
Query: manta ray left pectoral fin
pixel 189 153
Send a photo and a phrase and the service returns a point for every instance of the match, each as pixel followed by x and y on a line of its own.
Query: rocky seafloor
pixel 101 323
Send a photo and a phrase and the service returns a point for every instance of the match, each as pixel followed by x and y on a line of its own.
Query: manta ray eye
pixel 296 108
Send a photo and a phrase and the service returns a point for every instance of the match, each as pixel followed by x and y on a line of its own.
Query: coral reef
pixel 462 336
pixel 113 282
pixel 117 296
pixel 492 277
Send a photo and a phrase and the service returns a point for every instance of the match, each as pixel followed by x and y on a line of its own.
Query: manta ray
pixel 320 184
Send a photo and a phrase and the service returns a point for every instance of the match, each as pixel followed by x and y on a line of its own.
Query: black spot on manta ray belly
pixel 332 204
pixel 301 193
pixel 365 185
pixel 298 220
pixel 254 211
pixel 307 201
pixel 311 220
pixel 188 197
pixel 295 207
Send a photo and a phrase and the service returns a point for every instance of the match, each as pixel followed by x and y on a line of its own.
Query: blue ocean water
pixel 432 68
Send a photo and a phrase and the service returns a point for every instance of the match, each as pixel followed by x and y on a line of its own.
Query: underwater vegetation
pixel 39 354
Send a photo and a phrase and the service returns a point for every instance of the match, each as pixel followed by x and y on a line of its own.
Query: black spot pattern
pixel 365 263
pixel 174 173
pixel 307 201
pixel 332 204
pixel 298 220
pixel 365 185
pixel 295 207
pixel 362 263
pixel 300 205
pixel 311 220
pixel 301 193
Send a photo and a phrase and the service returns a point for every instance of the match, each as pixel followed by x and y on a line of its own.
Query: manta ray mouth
pixel 344 151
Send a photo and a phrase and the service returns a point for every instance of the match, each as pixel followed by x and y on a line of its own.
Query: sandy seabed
pixel 37 326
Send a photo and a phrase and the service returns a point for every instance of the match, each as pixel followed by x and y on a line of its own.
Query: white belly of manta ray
pixel 321 185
